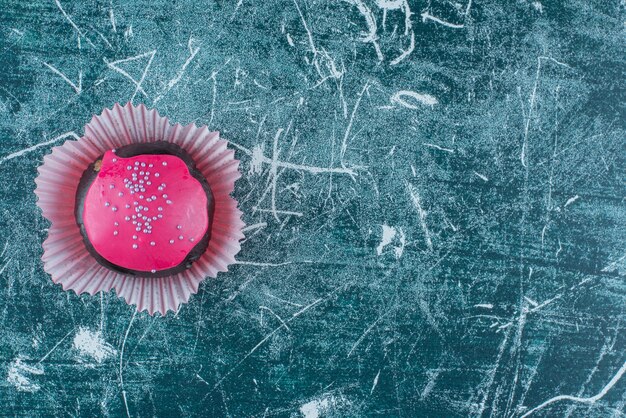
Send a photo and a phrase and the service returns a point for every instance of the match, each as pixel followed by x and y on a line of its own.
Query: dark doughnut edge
pixel 127 151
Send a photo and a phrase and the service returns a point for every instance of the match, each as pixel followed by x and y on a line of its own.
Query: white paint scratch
pixel 618 265
pixel 269 335
pixel 262 159
pixel 138 88
pixel 19 376
pixel 375 383
pixel 389 233
pixel 181 71
pixel 371 36
pixel 406 53
pixel 417 99
pixel 408 27
pixel 344 142
pixel 439 148
pixel 69 19
pixel 367 331
pixel 531 106
pixel 254 226
pixel 421 212
pixel 130 324
pixel 77 88
pixel 481 176
pixel 91 344
pixel 55 347
pixel 589 400
pixel 112 19
pixel 399 250
pixel 34 147
pixel 427 16
pixel 275 211
pixel 430 385
pixel 571 200
pixel 317 407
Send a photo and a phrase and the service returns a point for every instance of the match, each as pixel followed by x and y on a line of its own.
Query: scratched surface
pixel 434 194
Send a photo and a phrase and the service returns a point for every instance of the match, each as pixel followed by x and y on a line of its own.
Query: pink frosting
pixel 146 212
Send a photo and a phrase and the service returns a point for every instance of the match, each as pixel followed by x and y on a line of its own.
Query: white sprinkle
pixel 141 173
pixel 171 241
pixel 115 232
pixel 120 194
pixel 114 160
pixel 152 243
pixel 138 223
pixel 148 183
pixel 153 271
pixel 129 167
pixel 138 229
pixel 143 164
pixel 135 168
pixel 169 202
pixel 159 208
pixel 160 188
pixel 116 223
pixel 127 185
pixel 135 246
pixel 145 231
pixel 154 197
pixel 160 215
pixel 127 206
pixel 179 227
pixel 154 218
pixel 135 237
pixel 111 186
pixel 114 208
pixel 145 208
pixel 164 196
pixel 134 216
pixel 164 163
pixel 180 237
pixel 127 218
pixel 136 162
pixel 148 200
pixel 107 204
pixel 150 165
pixel 156 174
pixel 141 196
pixel 135 203
pixel 191 239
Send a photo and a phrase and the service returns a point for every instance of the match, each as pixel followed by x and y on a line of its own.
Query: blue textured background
pixel 434 194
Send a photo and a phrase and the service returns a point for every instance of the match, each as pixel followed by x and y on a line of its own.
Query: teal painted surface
pixel 443 234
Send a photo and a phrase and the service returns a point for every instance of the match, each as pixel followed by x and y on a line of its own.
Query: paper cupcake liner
pixel 65 256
